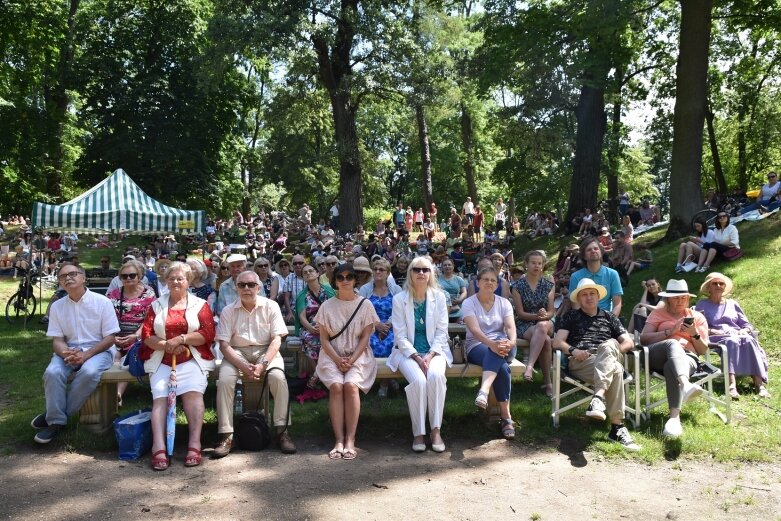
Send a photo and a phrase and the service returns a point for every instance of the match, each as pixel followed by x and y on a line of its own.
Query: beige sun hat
pixel 588 284
pixel 715 275
pixel 362 264
pixel 676 288
pixel 236 257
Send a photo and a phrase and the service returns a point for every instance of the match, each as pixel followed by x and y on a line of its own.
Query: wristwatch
pixel 571 349
pixel 696 336
pixel 264 362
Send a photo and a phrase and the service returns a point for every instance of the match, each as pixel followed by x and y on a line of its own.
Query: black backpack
pixel 251 429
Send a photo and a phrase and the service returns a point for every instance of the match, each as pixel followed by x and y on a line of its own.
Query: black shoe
pixel 620 435
pixel 39 422
pixel 48 434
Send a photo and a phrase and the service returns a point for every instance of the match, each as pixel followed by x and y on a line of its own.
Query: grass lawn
pixel 750 437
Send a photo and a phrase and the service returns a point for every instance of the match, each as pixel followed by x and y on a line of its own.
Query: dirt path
pixel 494 480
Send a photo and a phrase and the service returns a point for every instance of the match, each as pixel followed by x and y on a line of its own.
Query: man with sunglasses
pixel 82 326
pixel 294 284
pixel 250 334
pixel 228 293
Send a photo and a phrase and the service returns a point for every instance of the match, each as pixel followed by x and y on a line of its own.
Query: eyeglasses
pixel 342 278
pixel 331 263
pixel 771 176
pixel 224 268
pixel 126 276
pixel 723 216
pixel 69 275
pixel 421 270
pixel 262 266
pixel 243 285
pixel 298 264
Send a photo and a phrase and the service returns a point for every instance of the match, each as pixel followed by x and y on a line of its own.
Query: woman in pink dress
pixel 346 364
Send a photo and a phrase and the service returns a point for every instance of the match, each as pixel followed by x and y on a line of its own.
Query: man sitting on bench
pixel 82 327
pixel 595 341
pixel 250 333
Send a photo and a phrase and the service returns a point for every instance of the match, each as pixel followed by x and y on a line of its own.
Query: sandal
pixel 336 454
pixel 349 454
pixel 508 429
pixel 160 462
pixel 733 392
pixel 529 377
pixel 193 461
pixel 312 382
pixel 763 392
pixel 482 399
pixel 548 389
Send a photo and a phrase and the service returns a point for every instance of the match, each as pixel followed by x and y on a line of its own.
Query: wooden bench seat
pixel 100 409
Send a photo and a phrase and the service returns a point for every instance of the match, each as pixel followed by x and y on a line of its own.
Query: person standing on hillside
pixel 468 210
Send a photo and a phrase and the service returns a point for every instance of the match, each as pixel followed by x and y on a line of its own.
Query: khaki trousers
pixel 226 387
pixel 605 371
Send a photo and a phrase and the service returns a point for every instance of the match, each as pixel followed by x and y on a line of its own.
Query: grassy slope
pixel 24 354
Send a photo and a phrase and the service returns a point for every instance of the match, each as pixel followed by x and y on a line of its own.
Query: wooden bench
pixel 99 410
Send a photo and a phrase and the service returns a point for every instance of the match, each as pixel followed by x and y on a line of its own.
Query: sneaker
pixel 596 409
pixel 679 268
pixel 690 391
pixel 48 434
pixel 620 434
pixel 224 447
pixel 286 445
pixel 672 428
pixel 39 422
pixel 382 392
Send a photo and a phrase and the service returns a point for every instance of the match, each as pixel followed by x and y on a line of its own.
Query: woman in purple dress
pixel 728 325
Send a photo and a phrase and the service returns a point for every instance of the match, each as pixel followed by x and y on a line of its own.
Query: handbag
pixel 135 365
pixel 732 254
pixel 134 434
pixel 251 430
pixel 457 348
pixel 688 264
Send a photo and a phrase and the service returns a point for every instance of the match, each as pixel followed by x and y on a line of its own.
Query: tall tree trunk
pixel 721 183
pixel 614 152
pixel 591 122
pixel 742 148
pixel 425 155
pixel 689 115
pixel 468 146
pixel 335 70
pixel 57 108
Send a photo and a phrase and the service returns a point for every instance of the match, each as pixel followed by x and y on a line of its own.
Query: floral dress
pixel 382 347
pixel 531 300
pixel 310 341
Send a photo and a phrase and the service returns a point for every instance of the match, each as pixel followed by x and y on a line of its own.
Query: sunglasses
pixel 262 266
pixel 342 278
pixel 331 263
pixel 421 270
pixel 298 264
pixel 771 177
pixel 243 285
pixel 224 268
pixel 68 275
pixel 723 216
pixel 126 276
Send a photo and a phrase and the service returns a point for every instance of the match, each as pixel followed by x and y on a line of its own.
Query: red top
pixel 478 220
pixel 177 325
pixel 53 244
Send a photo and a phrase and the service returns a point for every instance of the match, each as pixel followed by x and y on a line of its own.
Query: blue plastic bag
pixel 134 434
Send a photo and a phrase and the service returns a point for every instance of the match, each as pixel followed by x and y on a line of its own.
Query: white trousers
pixel 425 392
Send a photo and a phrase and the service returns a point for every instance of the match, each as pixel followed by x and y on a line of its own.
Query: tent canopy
pixel 117 205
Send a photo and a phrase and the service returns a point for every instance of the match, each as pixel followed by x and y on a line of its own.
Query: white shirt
pixel 84 323
pixel 334 211
pixel 769 191
pixel 469 208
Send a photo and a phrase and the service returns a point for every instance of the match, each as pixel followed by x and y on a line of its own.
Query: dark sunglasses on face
pixel 330 263
pixel 223 267
pixel 262 266
pixel 421 270
pixel 342 278
pixel 723 216
pixel 298 264
pixel 243 285
pixel 126 276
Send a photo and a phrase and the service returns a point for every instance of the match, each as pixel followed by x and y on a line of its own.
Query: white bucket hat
pixel 588 284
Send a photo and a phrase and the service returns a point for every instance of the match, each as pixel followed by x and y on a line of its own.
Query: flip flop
pixel 349 454
pixel 336 454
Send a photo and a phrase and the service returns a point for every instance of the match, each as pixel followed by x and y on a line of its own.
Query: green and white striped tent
pixel 117 205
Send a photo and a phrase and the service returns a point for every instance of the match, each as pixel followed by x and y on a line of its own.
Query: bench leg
pixel 99 410
pixel 491 413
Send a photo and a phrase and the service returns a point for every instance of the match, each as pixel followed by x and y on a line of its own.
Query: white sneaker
pixel 690 391
pixel 596 409
pixel 673 428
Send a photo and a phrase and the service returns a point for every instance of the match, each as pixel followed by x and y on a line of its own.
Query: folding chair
pixel 705 375
pixel 561 374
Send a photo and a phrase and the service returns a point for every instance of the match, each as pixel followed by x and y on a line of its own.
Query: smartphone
pixel 688 321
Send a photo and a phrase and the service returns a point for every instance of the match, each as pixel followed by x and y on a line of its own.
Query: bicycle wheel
pixel 18 307
pixel 708 215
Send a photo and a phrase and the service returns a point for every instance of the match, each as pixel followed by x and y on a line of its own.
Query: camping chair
pixel 705 375
pixel 562 375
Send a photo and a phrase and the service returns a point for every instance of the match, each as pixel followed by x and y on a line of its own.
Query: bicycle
pixel 23 303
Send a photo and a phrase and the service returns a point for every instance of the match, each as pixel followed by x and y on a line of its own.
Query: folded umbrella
pixel 170 421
